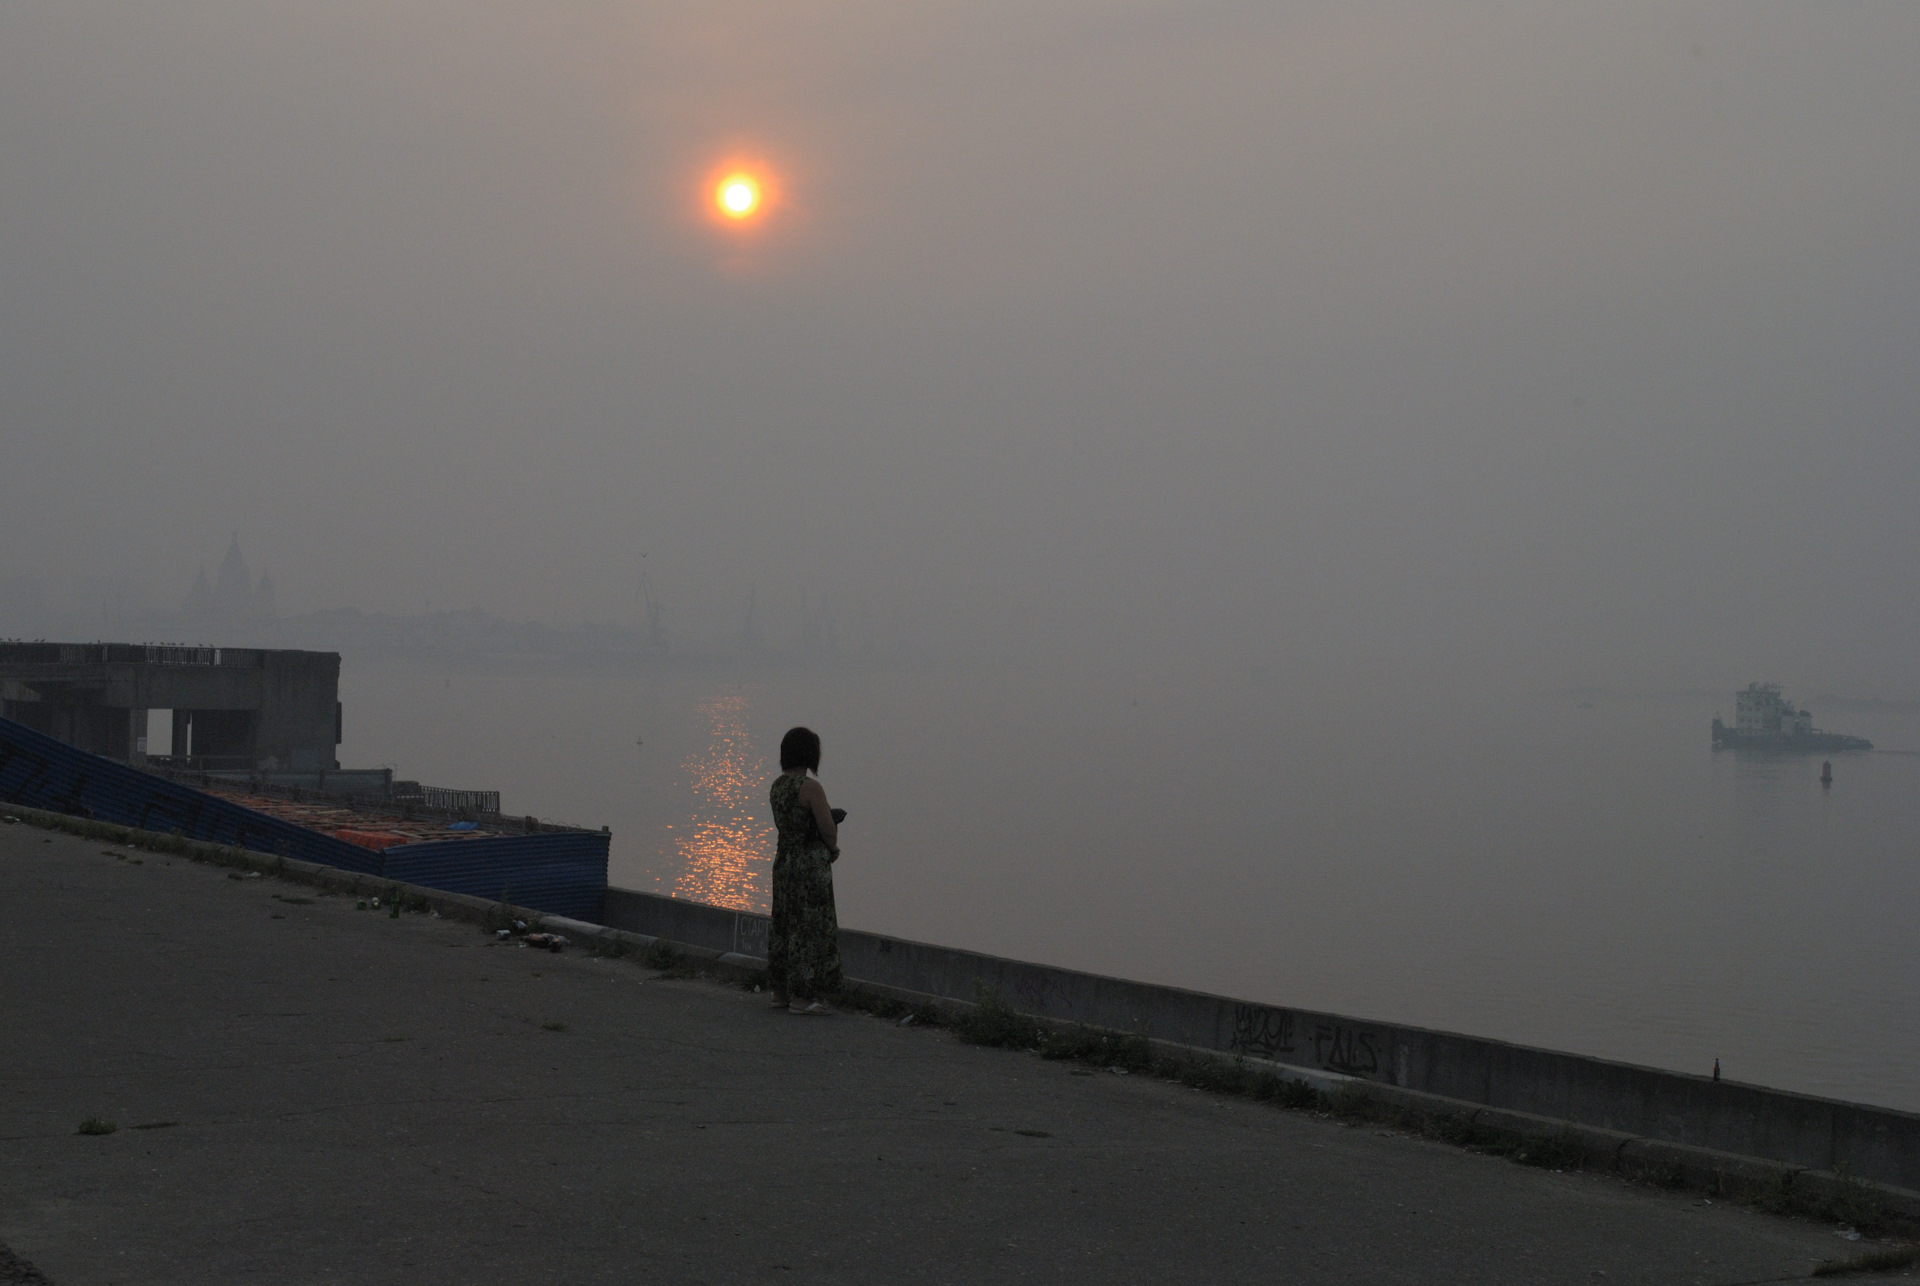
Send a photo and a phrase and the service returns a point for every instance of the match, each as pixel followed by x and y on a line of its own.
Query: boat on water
pixel 1763 719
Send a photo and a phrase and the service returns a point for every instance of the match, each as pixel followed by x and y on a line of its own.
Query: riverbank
pixel 305 1091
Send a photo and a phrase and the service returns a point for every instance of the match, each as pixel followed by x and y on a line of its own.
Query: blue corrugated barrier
pixel 560 872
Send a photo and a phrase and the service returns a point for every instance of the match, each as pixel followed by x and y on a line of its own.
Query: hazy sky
pixel 1559 342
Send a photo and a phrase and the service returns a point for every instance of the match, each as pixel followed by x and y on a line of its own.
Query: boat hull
pixel 1805 743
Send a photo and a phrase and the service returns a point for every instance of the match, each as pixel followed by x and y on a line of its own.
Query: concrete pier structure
pixel 231 707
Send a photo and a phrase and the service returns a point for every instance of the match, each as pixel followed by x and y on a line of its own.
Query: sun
pixel 738 196
pixel 742 194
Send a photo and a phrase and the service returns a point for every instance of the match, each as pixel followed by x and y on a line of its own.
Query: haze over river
pixel 1504 864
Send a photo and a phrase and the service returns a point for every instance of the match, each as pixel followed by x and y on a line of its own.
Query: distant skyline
pixel 1486 344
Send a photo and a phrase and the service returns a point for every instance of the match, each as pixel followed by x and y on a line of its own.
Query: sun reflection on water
pixel 726 847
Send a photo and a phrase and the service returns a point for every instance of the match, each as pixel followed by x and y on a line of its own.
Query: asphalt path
pixel 303 1091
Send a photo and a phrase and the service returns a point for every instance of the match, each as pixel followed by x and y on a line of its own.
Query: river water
pixel 1498 863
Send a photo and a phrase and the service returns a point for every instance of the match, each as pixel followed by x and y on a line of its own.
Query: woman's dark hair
pixel 800 748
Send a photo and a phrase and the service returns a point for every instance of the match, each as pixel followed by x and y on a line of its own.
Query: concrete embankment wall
pixel 1641 1102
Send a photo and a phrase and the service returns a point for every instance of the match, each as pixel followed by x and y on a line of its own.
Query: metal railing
pixel 244 658
pixel 441 800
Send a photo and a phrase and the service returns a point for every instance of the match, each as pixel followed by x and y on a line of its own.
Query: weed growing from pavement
pixel 995 1023
pixel 923 1015
pixel 156 1125
pixel 505 915
pixel 1853 1201
pixel 669 963
pixel 399 899
pixel 553 1026
pixel 1874 1261
pixel 1258 1083
pixel 1776 1196
pixel 95 1125
pixel 609 949
pixel 1098 1048
pixel 1672 1176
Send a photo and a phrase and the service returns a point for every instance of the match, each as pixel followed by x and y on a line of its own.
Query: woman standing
pixel 803 936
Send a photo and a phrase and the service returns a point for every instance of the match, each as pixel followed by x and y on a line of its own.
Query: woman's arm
pixel 815 796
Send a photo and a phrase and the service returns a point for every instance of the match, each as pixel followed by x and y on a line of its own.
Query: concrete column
pixel 182 733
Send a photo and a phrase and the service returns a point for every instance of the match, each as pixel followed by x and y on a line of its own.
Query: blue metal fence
pixel 560 872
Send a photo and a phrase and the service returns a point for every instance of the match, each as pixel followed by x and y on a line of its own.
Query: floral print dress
pixel 803 936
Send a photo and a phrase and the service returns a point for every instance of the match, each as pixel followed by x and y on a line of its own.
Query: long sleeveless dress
pixel 803 936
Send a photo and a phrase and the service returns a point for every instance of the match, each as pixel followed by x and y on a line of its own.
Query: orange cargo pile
pixel 378 841
pixel 369 828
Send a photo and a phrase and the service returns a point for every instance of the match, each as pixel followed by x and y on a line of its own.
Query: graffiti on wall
pixel 1346 1049
pixel 1260 1032
pixel 750 934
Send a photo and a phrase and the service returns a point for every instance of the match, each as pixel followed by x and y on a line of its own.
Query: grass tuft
pixel 554 1026
pixel 1776 1196
pixel 1101 1048
pixel 95 1125
pixel 1351 1101
pixel 995 1023
pixel 1560 1151
pixel 503 915
pixel 1874 1261
pixel 662 957
pixel 1856 1202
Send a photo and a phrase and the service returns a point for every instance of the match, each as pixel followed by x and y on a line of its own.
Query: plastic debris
pixel 548 941
pixel 1118 1071
pixel 907 1021
pixel 1847 1234
pixel 251 875
pixel 463 826
pixel 375 902
pixel 519 926
pixel 13 821
pixel 503 933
